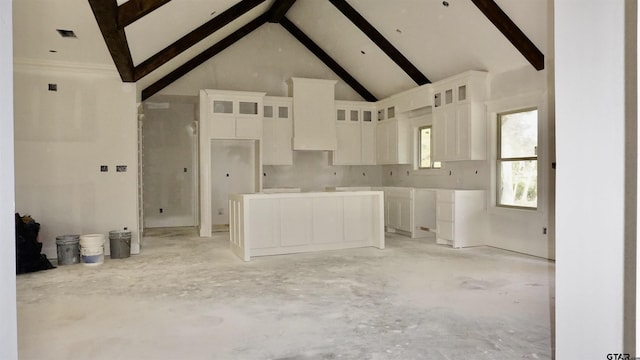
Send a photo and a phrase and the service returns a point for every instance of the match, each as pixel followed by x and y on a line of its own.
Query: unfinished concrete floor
pixel 187 297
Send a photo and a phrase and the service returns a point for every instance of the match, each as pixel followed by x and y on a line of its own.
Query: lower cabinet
pixel 460 217
pixel 409 211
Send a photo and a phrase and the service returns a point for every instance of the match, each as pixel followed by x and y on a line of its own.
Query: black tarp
pixel 28 248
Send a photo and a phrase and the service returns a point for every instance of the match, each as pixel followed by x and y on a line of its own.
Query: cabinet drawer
pixel 444 211
pixel 444 229
pixel 445 196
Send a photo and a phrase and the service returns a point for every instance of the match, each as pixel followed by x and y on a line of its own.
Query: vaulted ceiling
pixel 377 47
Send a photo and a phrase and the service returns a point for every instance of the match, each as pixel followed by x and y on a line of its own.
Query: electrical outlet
pixel 544 231
pixel 104 168
pixel 121 168
pixel 161 210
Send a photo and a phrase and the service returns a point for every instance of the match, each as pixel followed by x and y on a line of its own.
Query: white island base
pixel 272 224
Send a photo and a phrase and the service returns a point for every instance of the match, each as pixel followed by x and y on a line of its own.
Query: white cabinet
pixel 270 224
pixel 459 117
pixel 393 142
pixel 413 99
pixel 231 114
pixel 355 127
pixel 277 131
pixel 314 126
pixel 460 217
pixel 409 211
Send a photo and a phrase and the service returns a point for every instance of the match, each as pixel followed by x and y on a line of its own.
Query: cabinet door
pixel 269 142
pixel 349 145
pixel 382 151
pixel 223 127
pixel 439 135
pixel 463 132
pixel 395 213
pixel 248 127
pixel 368 132
pixel 450 133
pixel 283 150
pixel 404 206
pixel 387 142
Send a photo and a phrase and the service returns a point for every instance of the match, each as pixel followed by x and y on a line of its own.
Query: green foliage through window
pixel 517 162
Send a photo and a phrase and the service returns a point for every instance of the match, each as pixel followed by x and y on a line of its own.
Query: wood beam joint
pixel 133 10
pixel 203 56
pixel 279 9
pixel 326 59
pixel 192 38
pixel 106 14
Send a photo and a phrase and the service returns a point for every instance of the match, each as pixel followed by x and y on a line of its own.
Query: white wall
pixel 233 171
pixel 262 61
pixel 513 229
pixel 312 171
pixel 8 324
pixel 590 197
pixel 62 138
pixel 169 147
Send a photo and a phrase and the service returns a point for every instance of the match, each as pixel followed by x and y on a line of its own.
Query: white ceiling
pixel 440 41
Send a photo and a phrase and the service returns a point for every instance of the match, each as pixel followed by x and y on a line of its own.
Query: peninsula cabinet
pixel 460 217
pixel 459 117
pixel 355 127
pixel 231 114
pixel 277 131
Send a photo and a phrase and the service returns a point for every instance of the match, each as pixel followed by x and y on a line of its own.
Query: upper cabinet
pixel 231 114
pixel 459 117
pixel 277 131
pixel 392 135
pixel 355 127
pixel 314 125
pixel 413 99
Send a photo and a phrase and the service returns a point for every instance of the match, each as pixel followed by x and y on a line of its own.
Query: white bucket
pixel 92 249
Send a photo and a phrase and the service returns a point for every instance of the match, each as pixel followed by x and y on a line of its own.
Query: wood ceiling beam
pixel 106 14
pixel 133 10
pixel 512 32
pixel 375 36
pixel 326 59
pixel 194 37
pixel 203 56
pixel 279 9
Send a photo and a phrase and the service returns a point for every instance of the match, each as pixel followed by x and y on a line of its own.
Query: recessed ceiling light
pixel 53 51
pixel 445 3
pixel 399 31
pixel 66 33
pixel 362 52
pixel 213 13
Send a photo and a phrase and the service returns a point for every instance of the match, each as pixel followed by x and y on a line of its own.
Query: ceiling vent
pixel 66 33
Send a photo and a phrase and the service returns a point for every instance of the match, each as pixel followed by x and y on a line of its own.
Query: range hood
pixel 314 126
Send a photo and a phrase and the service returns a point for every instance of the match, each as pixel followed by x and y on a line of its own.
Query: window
pixel 517 163
pixel 425 149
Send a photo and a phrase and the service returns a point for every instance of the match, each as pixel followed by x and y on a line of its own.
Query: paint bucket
pixel 68 249
pixel 120 242
pixel 92 249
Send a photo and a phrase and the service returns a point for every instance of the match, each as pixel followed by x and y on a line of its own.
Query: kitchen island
pixel 284 223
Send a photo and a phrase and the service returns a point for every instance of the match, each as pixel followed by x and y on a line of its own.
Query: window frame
pixel 432 165
pixel 500 160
